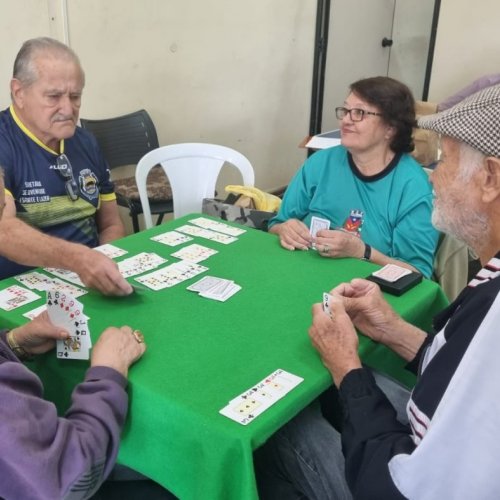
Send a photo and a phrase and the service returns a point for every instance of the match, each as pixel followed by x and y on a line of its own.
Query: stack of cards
pixel 214 288
pixel 248 405
pixel 41 282
pixel 171 275
pixel 391 272
pixel 139 264
pixel 16 296
pixel 67 312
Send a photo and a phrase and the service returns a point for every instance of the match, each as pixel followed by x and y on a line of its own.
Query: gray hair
pixel 470 161
pixel 24 68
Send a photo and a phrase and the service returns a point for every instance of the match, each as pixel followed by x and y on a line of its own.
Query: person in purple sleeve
pixel 45 456
pixel 449 447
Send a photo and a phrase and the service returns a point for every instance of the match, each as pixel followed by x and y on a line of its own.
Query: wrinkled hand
pixel 335 339
pixel 100 272
pixel 336 243
pixel 117 348
pixel 293 234
pixel 38 336
pixel 367 308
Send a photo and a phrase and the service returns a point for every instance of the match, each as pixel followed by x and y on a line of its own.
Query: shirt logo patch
pixel 88 183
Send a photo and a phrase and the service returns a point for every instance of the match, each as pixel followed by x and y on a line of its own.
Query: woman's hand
pixel 38 336
pixel 293 234
pixel 337 243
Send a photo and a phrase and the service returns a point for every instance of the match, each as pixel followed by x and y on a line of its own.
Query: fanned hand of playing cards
pixel 211 287
pixel 254 401
pixel 67 313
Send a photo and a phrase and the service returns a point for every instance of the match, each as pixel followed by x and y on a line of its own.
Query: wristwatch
pixel 368 252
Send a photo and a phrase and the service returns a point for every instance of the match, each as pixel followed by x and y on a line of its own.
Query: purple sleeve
pixel 46 456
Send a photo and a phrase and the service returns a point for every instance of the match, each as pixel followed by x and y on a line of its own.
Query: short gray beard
pixel 466 225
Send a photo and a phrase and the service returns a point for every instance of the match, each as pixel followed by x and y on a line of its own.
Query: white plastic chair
pixel 192 170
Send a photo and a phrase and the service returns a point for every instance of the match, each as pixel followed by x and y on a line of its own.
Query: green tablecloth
pixel 202 353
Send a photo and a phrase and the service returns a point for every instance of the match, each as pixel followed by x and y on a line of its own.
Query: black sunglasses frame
pixel 66 172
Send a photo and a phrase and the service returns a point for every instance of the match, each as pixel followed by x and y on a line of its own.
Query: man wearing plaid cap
pixel 450 449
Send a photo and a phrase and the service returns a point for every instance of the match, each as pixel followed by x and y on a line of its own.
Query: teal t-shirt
pixel 397 203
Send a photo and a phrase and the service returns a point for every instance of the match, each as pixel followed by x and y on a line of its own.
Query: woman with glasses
pixel 375 197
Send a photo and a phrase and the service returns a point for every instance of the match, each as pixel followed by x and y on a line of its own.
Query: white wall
pixel 226 71
pixel 467 45
pixel 232 72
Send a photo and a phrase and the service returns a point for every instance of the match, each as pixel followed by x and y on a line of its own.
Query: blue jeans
pixel 304 459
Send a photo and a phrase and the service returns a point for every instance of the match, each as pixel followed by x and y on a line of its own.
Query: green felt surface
pixel 202 353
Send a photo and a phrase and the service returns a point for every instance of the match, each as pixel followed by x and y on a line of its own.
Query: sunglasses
pixel 66 172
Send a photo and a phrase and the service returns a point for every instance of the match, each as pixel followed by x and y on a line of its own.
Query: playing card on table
pixel 139 264
pixel 207 233
pixel 171 238
pixel 317 224
pixel 251 403
pixel 16 296
pixel 67 313
pixel 194 253
pixel 391 272
pixel 35 312
pixel 110 250
pixel 171 275
pixel 217 226
pixel 34 280
pixel 42 282
pixel 65 274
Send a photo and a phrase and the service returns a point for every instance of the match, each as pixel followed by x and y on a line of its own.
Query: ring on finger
pixel 326 249
pixel 139 337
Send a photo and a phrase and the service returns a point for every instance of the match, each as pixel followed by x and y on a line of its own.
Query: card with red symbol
pixel 16 296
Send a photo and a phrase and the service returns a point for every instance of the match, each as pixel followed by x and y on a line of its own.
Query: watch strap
pixel 368 252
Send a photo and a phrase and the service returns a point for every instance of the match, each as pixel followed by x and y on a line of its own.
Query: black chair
pixel 124 140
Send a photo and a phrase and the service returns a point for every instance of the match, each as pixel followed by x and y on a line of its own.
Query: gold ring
pixel 138 336
pixel 326 249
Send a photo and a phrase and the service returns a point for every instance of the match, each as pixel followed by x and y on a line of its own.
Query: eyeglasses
pixel 356 114
pixel 66 172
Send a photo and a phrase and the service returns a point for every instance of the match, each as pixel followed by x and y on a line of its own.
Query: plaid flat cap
pixel 475 121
